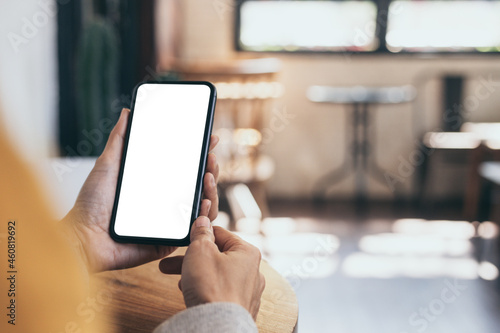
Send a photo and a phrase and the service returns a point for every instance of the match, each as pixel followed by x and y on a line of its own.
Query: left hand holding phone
pixel 87 224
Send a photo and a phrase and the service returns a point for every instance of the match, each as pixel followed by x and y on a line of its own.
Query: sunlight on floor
pixel 445 229
pixel 415 248
pixel 487 230
pixel 421 249
pixel 425 245
pixel 363 265
pixel 296 255
pixel 488 271
pixel 390 272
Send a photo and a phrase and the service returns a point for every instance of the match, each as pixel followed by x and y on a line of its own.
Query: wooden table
pixel 143 297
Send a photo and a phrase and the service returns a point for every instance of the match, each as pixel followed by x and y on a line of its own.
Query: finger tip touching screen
pixel 160 183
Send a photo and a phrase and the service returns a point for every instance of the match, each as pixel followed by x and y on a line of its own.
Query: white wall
pixel 314 141
pixel 28 76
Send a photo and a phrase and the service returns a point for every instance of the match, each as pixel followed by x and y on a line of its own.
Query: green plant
pixel 97 79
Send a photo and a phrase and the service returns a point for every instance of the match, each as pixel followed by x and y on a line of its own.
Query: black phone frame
pixel 201 169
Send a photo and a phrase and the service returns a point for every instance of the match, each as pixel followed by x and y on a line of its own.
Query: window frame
pixel 380 34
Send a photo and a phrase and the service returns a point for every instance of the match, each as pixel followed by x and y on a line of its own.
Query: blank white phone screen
pixel 162 161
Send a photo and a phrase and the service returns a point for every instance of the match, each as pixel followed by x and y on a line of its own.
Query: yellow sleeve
pixel 42 287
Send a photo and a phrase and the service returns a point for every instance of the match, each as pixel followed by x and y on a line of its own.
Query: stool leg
pixel 337 175
pixel 485 201
pixel 361 153
pixel 420 202
pixel 473 192
pixel 327 181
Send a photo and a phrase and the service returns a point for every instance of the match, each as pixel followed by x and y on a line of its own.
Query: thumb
pixel 114 146
pixel 202 229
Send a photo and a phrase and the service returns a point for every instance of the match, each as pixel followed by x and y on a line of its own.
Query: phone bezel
pixel 201 169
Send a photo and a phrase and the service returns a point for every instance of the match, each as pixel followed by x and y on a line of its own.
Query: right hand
pixel 218 267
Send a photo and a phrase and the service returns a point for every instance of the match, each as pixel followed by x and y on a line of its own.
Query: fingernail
pixel 202 222
pixel 212 181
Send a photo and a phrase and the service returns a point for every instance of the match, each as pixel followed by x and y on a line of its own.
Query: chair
pixel 476 205
pixel 449 140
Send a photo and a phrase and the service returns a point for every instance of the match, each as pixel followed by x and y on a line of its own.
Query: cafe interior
pixel 359 141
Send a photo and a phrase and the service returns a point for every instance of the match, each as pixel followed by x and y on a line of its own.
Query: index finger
pixel 226 240
pixel 214 140
pixel 202 229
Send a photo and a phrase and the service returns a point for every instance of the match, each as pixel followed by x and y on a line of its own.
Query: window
pixel 308 25
pixel 444 26
pixel 368 26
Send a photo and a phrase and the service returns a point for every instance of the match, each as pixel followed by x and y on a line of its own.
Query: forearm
pixel 210 317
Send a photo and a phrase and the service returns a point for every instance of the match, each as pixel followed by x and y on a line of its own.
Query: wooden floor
pixel 344 285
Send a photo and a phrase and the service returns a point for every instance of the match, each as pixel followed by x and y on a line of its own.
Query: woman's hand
pixel 87 223
pixel 218 267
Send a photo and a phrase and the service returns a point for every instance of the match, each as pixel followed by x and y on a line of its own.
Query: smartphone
pixel 160 183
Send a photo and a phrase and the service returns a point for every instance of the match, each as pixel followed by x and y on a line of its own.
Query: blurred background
pixel 359 139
